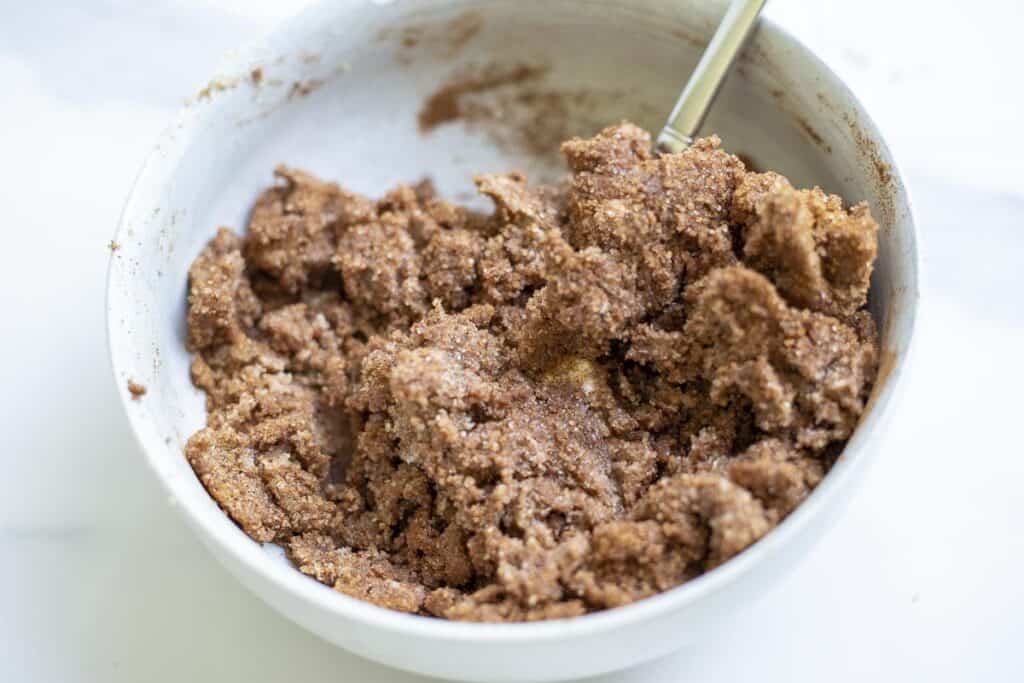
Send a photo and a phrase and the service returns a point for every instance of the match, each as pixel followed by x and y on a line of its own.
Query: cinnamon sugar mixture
pixel 593 394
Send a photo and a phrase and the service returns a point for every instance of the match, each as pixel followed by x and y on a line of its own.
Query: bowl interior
pixel 338 92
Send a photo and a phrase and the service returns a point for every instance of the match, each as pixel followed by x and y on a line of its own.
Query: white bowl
pixel 337 93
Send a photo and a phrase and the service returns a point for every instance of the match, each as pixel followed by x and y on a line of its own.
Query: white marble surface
pixel 101 581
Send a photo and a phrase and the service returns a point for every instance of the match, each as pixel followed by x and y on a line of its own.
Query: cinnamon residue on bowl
pixel 519 110
pixel 598 391
pixel 447 103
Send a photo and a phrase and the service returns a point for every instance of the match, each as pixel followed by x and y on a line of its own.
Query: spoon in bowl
pixel 693 104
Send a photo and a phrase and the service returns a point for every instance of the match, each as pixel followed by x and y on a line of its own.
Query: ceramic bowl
pixel 337 91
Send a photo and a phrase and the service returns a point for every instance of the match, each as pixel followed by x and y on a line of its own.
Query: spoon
pixel 692 106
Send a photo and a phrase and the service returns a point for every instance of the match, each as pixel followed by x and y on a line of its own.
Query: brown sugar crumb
pixel 136 390
pixel 595 393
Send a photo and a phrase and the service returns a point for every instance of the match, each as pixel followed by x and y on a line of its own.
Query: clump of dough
pixel 596 392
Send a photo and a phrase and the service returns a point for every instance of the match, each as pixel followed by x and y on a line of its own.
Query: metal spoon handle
pixel 692 106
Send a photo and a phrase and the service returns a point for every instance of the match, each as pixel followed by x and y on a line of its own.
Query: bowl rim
pixel 250 555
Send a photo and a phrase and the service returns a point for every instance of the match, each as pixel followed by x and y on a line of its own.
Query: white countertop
pixel 101 581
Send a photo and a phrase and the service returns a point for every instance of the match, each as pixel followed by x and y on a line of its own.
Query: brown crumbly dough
pixel 593 394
